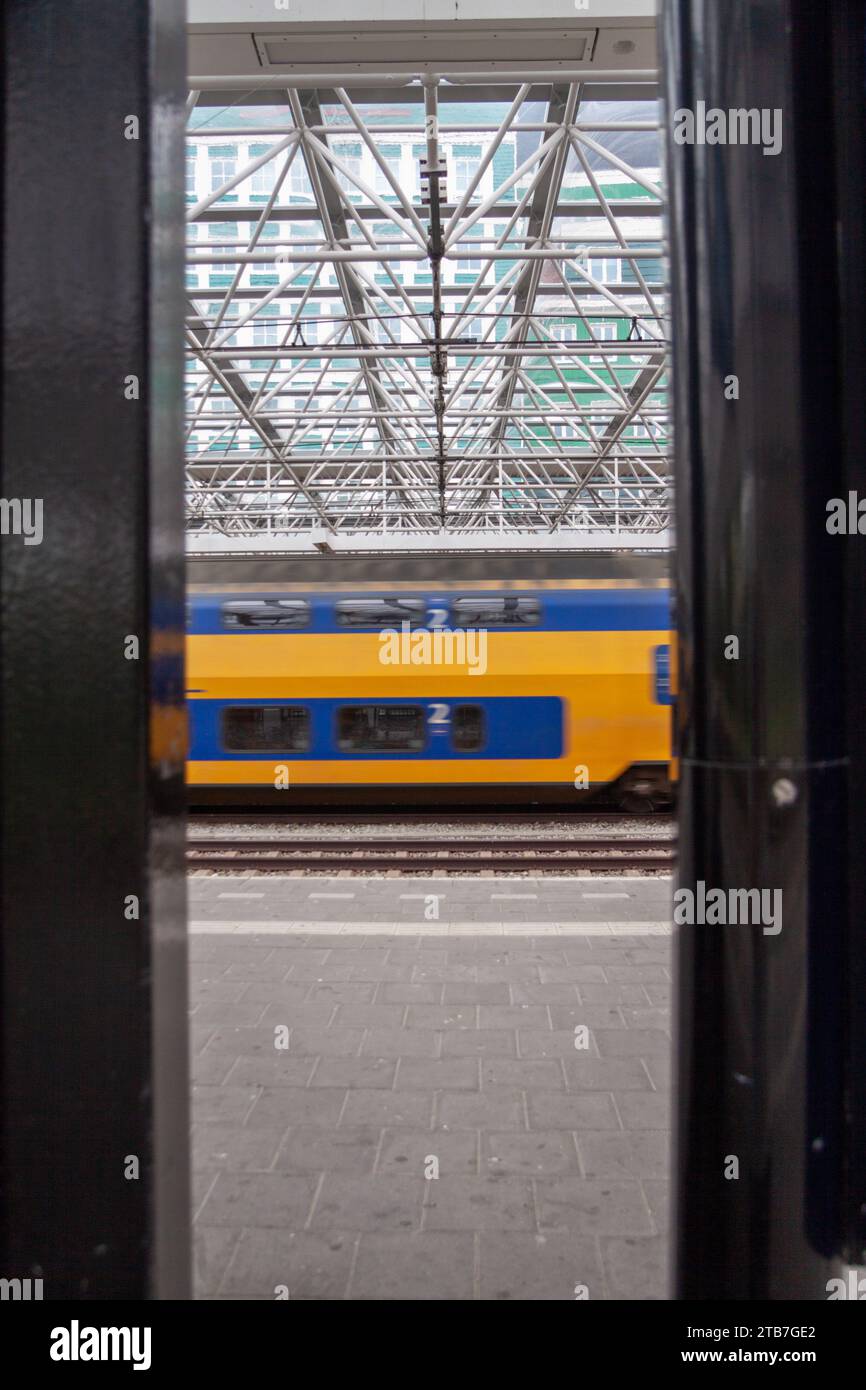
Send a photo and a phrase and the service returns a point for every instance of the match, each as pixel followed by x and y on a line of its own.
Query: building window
pixel 608 271
pixel 221 170
pixel 605 333
pixel 266 728
pixel 263 179
pixel 381 728
pixel 190 171
pixel 461 173
pixel 264 333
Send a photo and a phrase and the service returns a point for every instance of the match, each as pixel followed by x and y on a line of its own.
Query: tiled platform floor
pixel 309 1161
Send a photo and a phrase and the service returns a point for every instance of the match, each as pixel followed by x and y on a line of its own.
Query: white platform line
pixel 240 895
pixel 330 895
pixel 231 927
pixel 605 895
pixel 509 897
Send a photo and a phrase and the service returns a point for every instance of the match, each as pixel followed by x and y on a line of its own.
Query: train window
pixel 279 613
pixel 267 728
pixel 467 728
pixel 381 728
pixel 508 611
pixel 381 612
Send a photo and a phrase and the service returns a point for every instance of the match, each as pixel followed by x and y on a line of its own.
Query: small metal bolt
pixel 784 792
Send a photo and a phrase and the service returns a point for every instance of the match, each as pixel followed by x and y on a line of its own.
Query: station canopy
pixel 429 311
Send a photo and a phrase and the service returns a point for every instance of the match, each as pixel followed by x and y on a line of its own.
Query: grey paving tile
pixel 593 1206
pixel 289 1105
pixel 572 974
pixel 210 1070
pixel 659 993
pixel 513 1016
pixel 632 1042
pixel 389 1108
pixel 533 1073
pixel 658 1195
pixel 532 1042
pixel 441 1017
pixel 631 1153
pixel 585 1073
pixel 276 992
pixel 213 990
pixel 436 954
pixel 258 1199
pixel 529 993
pixel 645 1109
pixel 426 1266
pixel 660 1071
pixel 406 993
pixel 199 1038
pixel 635 974
pixel 280 1069
pixel 309 1014
pixel 575 1110
pixel 307 1265
pixel 594 993
pixel 469 992
pixel 221 1103
pixel 498 1110
pixel 479 1042
pixel 234 1147
pixel 369 1015
pixel 355 1072
pixel 369 1204
pixel 408 1152
pixel 212 1249
pixel 481 1204
pixel 533 1155
pixel 220 1012
pixel 439 1074
pixel 636 1268
pixel 381 974
pixel 649 1017
pixel 552 1266
pixel 200 1187
pixel 325 1042
pixel 245 1039
pixel 308 1148
pixel 400 1042
pixel 587 1015
pixel 343 992
pixel 247 970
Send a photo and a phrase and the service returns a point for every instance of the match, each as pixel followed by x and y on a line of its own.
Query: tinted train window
pixel 381 728
pixel 508 611
pixel 381 612
pixel 467 728
pixel 275 729
pixel 278 613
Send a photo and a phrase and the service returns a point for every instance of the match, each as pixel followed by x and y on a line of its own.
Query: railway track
pixel 416 854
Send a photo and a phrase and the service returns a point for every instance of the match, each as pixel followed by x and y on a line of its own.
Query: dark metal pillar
pixel 93 1116
pixel 759 387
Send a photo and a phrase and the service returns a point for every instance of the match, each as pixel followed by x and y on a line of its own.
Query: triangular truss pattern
pixel 426 312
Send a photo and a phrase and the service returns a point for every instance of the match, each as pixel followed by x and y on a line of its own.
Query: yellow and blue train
pixel 403 695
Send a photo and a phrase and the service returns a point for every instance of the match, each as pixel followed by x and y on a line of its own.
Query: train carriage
pixel 463 693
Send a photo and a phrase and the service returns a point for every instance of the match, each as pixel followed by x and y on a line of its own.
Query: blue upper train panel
pixel 567 610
